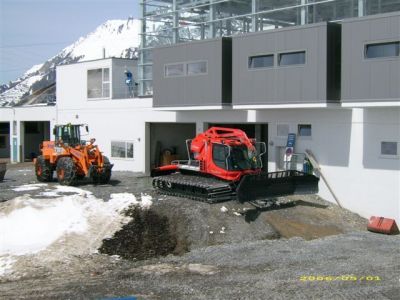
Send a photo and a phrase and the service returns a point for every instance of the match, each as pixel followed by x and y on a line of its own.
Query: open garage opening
pixel 34 133
pixel 257 131
pixel 4 141
pixel 167 142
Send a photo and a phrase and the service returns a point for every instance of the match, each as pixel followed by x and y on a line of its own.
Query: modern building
pixel 328 71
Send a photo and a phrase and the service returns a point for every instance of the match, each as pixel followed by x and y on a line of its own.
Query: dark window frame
pixel 366 47
pixel 385 148
pixel 299 130
pixel 104 83
pixel 292 53
pixel 166 75
pixel 196 62
pixel 129 148
pixel 218 162
pixel 249 61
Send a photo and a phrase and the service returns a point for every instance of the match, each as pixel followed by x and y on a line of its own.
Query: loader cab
pixel 69 134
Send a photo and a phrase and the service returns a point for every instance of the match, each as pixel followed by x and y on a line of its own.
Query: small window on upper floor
pixel 304 130
pixel 389 148
pixel 196 68
pixel 174 70
pixel 391 49
pixel 98 83
pixel 293 58
pixel 261 61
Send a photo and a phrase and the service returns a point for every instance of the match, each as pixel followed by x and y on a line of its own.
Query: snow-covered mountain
pixel 119 38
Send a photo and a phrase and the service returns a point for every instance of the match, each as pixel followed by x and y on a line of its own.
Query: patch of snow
pixel 222 230
pixel 122 200
pixel 34 69
pixel 72 189
pixel 236 213
pixel 224 209
pixel 24 170
pixel 6 264
pixel 146 201
pixel 211 232
pixel 49 193
pixel 29 187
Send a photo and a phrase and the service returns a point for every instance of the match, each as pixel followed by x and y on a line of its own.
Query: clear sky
pixel 31 31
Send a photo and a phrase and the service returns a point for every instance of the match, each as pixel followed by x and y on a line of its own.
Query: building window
pixel 196 68
pixel 389 148
pixel 391 49
pixel 174 70
pixel 261 61
pixel 282 130
pixel 122 149
pixel 3 142
pixel 98 83
pixel 304 130
pixel 293 58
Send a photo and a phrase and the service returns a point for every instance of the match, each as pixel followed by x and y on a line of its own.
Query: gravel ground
pixel 241 253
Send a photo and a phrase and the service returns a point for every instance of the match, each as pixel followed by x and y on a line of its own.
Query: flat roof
pixel 99 59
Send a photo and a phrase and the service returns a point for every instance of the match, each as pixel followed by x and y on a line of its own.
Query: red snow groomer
pixel 224 164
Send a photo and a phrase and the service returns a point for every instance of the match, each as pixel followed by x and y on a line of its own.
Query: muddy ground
pixel 233 253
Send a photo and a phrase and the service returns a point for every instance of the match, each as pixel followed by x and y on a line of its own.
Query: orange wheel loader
pixel 71 158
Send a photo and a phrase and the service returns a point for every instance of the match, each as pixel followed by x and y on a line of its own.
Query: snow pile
pixel 31 229
pixel 73 224
pixel 224 209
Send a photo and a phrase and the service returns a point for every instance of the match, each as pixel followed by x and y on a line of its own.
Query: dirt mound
pixel 147 235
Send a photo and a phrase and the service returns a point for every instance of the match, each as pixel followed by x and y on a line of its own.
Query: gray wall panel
pixel 287 84
pixel 198 90
pixel 369 79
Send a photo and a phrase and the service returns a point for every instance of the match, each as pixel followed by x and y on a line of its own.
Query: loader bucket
pixel 265 186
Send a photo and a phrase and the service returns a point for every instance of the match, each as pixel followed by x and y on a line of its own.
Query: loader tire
pixel 66 171
pixel 80 176
pixel 105 175
pixel 43 170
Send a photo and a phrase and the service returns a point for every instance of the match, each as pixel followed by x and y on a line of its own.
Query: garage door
pixel 167 142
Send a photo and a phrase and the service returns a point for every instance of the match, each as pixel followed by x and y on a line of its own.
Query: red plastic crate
pixel 382 225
